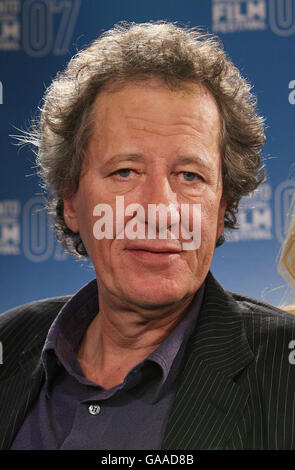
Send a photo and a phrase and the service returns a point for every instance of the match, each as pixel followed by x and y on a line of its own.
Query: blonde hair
pixel 286 266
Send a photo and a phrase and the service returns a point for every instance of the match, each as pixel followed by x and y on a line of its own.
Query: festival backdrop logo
pixel 282 202
pixel 254 216
pixel 238 15
pixel 248 15
pixel 10 227
pixel 28 231
pixel 39 27
pixel 282 17
pixel 10 24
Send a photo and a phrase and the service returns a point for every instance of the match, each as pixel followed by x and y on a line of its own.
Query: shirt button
pixel 94 409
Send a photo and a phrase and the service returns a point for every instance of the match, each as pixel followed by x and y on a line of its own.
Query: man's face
pixel 152 146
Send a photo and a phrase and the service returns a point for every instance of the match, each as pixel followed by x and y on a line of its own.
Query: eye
pixel 123 172
pixel 189 176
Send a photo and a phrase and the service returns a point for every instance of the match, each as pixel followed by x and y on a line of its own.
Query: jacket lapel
pixel 210 398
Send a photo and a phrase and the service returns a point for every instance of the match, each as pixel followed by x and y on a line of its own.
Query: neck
pixel 120 337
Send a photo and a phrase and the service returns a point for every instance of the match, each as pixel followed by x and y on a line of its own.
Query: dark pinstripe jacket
pixel 237 385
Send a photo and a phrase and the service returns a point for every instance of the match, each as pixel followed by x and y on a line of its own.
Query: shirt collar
pixel 68 328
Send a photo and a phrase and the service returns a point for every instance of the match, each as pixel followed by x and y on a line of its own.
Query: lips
pixel 156 254
pixel 156 246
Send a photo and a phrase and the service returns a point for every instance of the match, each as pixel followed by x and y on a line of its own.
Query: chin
pixel 157 294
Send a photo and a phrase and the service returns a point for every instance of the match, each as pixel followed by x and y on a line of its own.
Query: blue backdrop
pixel 37 38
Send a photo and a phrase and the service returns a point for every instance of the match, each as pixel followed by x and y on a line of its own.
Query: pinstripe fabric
pixel 23 332
pixel 236 389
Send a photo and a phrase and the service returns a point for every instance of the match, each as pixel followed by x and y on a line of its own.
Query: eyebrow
pixel 196 159
pixel 124 157
pixel 181 159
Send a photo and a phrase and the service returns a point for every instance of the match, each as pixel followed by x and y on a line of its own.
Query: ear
pixel 70 214
pixel 222 209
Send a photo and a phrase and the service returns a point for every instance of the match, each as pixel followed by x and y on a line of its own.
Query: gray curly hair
pixel 129 52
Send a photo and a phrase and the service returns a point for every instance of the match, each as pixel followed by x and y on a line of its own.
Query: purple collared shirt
pixel 72 412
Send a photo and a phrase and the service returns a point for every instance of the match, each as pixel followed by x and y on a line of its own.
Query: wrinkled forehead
pixel 155 100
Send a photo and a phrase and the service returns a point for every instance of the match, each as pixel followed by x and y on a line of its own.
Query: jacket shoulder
pixel 24 328
pixel 264 314
pixel 22 325
pixel 270 332
pixel 271 375
pixel 43 308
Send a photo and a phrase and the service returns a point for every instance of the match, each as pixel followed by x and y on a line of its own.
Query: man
pixel 153 353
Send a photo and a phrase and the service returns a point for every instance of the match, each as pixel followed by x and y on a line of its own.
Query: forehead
pixel 150 109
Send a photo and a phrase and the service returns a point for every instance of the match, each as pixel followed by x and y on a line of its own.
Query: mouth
pixel 156 253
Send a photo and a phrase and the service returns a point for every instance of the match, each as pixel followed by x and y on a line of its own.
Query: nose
pixel 158 189
pixel 160 204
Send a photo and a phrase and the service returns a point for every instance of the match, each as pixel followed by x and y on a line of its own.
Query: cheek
pixel 210 223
